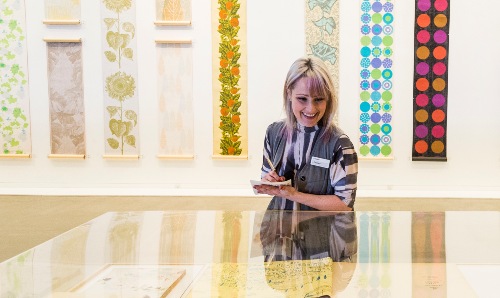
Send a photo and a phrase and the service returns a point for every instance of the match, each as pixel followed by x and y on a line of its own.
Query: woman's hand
pixel 284 191
pixel 273 177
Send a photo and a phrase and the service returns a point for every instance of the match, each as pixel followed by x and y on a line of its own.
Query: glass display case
pixel 264 254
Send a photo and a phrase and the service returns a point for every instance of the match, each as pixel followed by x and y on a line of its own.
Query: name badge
pixel 320 162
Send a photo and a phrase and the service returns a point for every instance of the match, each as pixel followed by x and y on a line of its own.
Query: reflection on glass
pixel 374 279
pixel 309 254
pixel 428 254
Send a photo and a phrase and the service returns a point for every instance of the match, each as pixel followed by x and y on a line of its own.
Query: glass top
pixel 263 254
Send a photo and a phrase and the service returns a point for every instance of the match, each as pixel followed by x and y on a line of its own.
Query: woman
pixel 307 147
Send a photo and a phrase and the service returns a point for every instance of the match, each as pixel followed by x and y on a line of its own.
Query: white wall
pixel 275 40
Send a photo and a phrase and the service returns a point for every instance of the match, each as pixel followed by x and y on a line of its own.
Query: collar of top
pixel 302 128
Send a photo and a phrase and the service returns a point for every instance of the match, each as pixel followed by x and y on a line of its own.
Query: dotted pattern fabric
pixel 432 20
pixel 376 74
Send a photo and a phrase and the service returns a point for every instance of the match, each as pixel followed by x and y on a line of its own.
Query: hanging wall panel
pixel 377 21
pixel 229 66
pixel 175 92
pixel 173 12
pixel 15 134
pixel 322 34
pixel 66 100
pixel 62 12
pixel 430 92
pixel 121 100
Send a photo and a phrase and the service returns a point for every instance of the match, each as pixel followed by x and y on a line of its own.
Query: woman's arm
pixel 320 202
pixel 343 177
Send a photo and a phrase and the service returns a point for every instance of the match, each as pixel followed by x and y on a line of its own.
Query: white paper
pixel 258 182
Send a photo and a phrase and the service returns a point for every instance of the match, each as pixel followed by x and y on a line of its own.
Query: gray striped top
pixel 343 167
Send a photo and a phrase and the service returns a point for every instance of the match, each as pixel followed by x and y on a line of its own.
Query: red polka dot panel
pixel 430 79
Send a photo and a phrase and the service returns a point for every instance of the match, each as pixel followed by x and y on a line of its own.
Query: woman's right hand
pixel 273 177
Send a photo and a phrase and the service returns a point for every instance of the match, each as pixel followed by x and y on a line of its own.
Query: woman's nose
pixel 311 104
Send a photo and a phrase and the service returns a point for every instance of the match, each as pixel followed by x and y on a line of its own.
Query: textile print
pixel 376 74
pixel 66 98
pixel 15 126
pixel 322 34
pixel 120 70
pixel 229 66
pixel 430 79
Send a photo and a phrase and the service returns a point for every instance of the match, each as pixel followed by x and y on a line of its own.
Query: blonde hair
pixel 320 84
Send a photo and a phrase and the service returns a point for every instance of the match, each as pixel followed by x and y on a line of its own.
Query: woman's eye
pixel 302 99
pixel 318 99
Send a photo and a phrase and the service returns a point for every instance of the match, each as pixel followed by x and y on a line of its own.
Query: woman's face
pixel 307 108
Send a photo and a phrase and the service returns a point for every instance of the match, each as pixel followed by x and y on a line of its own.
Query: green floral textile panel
pixel 15 135
pixel 120 73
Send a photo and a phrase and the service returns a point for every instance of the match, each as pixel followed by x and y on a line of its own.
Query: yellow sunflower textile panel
pixel 322 34
pixel 229 66
pixel 121 98
pixel 62 10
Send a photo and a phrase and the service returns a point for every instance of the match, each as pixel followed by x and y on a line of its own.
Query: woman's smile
pixel 307 108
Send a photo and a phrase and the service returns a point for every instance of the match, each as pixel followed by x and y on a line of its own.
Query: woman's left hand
pixel 284 191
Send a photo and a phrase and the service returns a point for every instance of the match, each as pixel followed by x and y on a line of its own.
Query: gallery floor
pixel 26 221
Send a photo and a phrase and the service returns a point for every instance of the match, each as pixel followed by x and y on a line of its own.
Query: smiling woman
pixel 307 147
pixel 307 108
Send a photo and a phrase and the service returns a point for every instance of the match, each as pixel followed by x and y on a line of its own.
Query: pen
pixel 270 164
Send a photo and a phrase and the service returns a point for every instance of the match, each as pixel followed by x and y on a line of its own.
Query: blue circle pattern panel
pixel 376 78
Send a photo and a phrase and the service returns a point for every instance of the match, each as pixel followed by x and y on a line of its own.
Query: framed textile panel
pixel 376 79
pixel 121 98
pixel 173 13
pixel 66 100
pixel 15 126
pixel 229 79
pixel 322 34
pixel 62 12
pixel 430 92
pixel 175 96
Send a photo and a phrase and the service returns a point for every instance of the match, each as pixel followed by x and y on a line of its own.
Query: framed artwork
pixel 430 91
pixel 229 79
pixel 66 100
pixel 62 12
pixel 175 98
pixel 15 126
pixel 322 34
pixel 121 99
pixel 173 13
pixel 376 77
